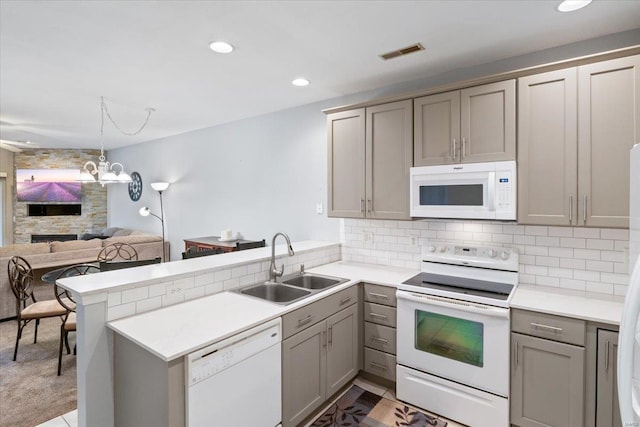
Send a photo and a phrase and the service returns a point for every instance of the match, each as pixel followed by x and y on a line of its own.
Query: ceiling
pixel 57 58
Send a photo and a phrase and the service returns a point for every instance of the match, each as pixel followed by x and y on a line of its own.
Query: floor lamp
pixel 145 211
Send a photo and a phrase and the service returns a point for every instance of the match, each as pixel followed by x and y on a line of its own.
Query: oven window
pixel 450 337
pixel 451 195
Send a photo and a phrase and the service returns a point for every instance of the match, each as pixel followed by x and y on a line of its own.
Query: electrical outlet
pixel 175 290
pixel 414 239
pixel 319 209
pixel 367 236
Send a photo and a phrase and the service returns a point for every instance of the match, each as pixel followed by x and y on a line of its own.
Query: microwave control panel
pixel 505 202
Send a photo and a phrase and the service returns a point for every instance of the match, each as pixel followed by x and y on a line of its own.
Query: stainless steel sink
pixel 313 281
pixel 292 288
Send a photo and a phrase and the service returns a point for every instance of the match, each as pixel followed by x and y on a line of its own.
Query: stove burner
pixel 461 285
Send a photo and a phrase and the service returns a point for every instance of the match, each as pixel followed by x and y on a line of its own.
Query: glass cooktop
pixel 461 285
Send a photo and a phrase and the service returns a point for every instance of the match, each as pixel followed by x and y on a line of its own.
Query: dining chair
pixel 118 265
pixel 250 245
pixel 21 282
pixel 64 298
pixel 118 251
pixel 192 253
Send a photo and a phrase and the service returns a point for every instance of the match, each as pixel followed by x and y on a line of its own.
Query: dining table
pixel 66 271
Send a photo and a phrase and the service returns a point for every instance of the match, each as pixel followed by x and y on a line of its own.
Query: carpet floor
pixel 31 392
pixel 360 408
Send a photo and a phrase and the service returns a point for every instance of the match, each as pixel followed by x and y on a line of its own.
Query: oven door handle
pixel 469 307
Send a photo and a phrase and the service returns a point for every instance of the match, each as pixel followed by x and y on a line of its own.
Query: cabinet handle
pixel 305 320
pixel 570 209
pixel 606 357
pixel 324 338
pixel 584 210
pixel 369 205
pixel 378 366
pixel 330 335
pixel 453 149
pixel 379 296
pixel 361 205
pixel 517 361
pixel 464 143
pixel 550 328
pixel 381 340
pixel 380 316
pixel 343 301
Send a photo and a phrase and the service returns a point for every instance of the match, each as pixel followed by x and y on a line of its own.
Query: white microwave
pixel 472 190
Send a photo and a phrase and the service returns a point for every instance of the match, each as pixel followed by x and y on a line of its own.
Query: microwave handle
pixel 491 191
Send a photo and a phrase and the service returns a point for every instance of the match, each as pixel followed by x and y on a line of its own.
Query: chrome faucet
pixel 274 273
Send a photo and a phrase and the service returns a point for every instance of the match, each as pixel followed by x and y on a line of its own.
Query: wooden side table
pixel 213 242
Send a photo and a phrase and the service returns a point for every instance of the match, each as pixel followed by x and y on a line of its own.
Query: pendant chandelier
pixel 105 172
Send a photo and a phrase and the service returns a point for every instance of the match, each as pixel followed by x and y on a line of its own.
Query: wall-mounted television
pixel 48 185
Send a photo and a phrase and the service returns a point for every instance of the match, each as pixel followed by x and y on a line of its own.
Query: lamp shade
pixel 159 186
pixel 145 211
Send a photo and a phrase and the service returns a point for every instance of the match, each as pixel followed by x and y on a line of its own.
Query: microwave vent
pixel 404 51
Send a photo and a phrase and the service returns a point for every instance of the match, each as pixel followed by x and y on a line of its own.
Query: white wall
pixel 266 174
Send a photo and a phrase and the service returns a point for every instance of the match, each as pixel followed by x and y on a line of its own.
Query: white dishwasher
pixel 236 382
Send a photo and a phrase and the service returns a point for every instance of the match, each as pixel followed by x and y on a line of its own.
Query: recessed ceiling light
pixel 300 82
pixel 571 5
pixel 221 47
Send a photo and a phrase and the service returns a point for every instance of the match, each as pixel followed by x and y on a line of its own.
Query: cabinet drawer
pixel 385 295
pixel 380 314
pixel 300 319
pixel 380 337
pixel 380 364
pixel 556 328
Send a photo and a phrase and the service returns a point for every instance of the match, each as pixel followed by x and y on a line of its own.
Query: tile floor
pixel 70 419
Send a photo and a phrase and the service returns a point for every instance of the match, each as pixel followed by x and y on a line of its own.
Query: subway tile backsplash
pixel 587 259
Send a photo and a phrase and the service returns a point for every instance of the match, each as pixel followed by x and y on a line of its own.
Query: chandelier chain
pixel 104 109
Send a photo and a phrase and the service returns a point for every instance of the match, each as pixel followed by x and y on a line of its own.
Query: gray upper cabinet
pixel 575 129
pixel 608 126
pixel 370 153
pixel 477 124
pixel 547 148
pixel 607 406
pixel 345 133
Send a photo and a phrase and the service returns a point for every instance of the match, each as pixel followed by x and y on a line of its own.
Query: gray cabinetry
pixel 547 373
pixel 575 129
pixel 380 331
pixel 370 153
pixel 476 124
pixel 607 406
pixel 319 354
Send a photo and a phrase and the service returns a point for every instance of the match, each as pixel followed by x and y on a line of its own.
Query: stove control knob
pixel 442 249
pixel 492 253
pixel 431 248
pixel 504 255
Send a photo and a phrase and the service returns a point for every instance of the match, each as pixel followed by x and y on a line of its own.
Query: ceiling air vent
pixel 404 51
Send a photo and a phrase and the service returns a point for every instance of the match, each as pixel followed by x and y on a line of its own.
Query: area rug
pixel 361 408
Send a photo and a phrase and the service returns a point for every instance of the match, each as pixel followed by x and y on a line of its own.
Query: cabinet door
pixel 608 126
pixel 342 348
pixel 346 158
pixel 607 406
pixel 547 380
pixel 303 373
pixel 547 148
pixel 389 155
pixel 488 122
pixel 436 126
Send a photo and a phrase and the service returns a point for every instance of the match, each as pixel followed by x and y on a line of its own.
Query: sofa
pixel 48 255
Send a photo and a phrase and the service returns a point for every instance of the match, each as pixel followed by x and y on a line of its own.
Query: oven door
pixel 452 195
pixel 461 341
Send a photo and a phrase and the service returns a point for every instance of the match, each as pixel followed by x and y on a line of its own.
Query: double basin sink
pixel 292 288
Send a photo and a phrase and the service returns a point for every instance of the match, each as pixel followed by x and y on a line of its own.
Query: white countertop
pixel 590 306
pixel 177 330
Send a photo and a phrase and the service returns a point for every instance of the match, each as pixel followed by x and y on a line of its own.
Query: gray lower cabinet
pixel 607 406
pixel 546 383
pixel 379 316
pixel 317 362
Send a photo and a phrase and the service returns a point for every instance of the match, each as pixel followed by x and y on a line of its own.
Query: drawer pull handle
pixel 379 316
pixel 343 301
pixel 381 340
pixel 547 327
pixel 606 357
pixel 305 320
pixel 378 366
pixel 379 296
